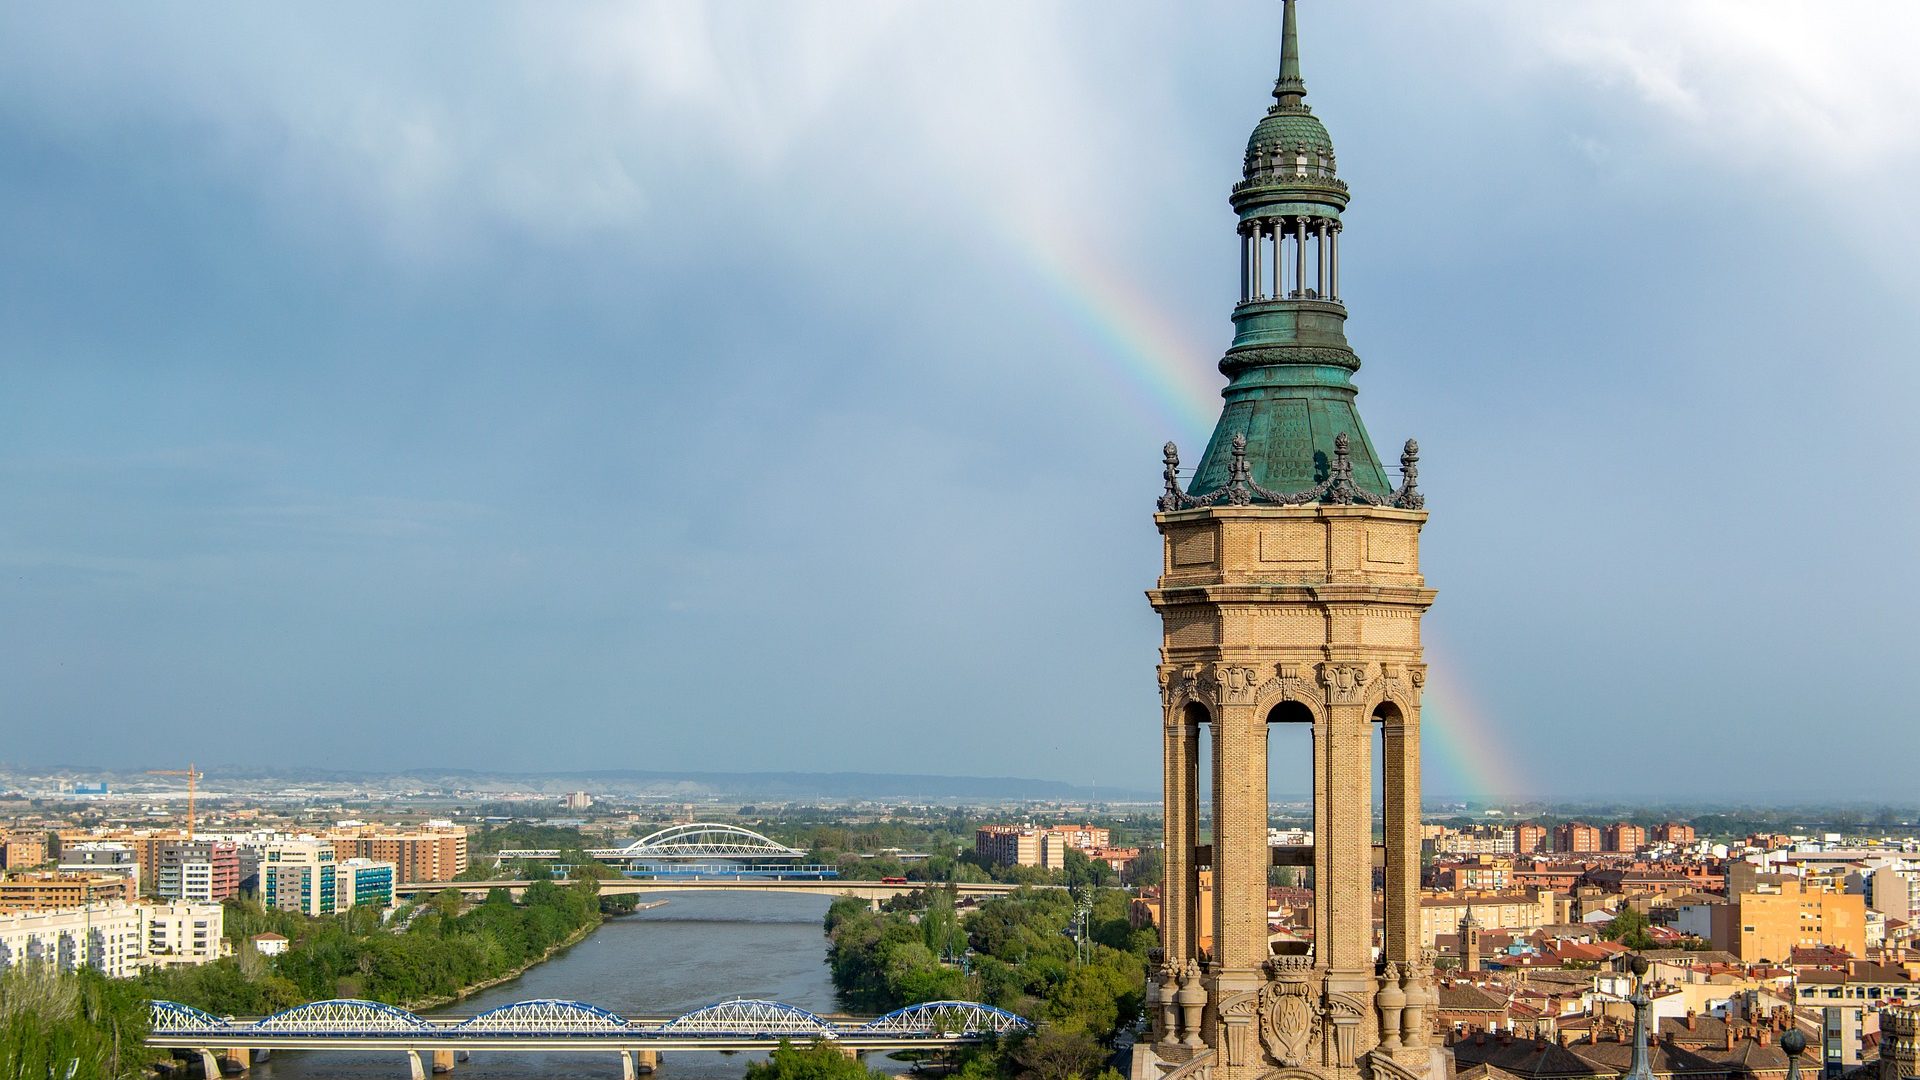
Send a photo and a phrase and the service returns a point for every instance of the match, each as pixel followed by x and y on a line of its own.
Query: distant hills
pixel 632 783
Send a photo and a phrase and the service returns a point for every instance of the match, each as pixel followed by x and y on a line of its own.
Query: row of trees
pixel 443 950
pixel 1070 960
pixel 81 1024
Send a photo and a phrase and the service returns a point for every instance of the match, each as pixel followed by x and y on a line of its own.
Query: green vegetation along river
pixel 695 950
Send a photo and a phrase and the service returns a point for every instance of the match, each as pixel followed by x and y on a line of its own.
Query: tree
pixel 817 1062
pixel 1629 928
pixel 1148 869
pixel 1052 1054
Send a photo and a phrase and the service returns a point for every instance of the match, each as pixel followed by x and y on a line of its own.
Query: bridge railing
pixel 740 1018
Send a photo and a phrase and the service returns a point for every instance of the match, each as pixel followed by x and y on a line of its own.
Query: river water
pixel 696 949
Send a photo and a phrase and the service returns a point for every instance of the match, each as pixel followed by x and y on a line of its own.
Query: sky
pixel 768 386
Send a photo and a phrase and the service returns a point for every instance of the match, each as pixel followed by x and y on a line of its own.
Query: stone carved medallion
pixel 1287 1021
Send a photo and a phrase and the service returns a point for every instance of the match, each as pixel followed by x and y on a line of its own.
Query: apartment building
pixel 52 890
pixel 1624 837
pixel 22 851
pixel 300 875
pixel 437 852
pixel 102 857
pixel 183 934
pixel 1768 925
pixel 207 871
pixel 1673 832
pixel 108 937
pixel 1577 837
pixel 363 883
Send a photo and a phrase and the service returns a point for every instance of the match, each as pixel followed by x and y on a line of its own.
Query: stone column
pixel 1255 240
pixel 1240 853
pixel 1300 255
pixel 1325 231
pixel 1178 915
pixel 1349 833
pixel 443 1061
pixel 1334 276
pixel 1247 266
pixel 1400 806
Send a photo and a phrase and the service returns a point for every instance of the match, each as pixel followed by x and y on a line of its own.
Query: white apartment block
pixel 184 934
pixel 110 938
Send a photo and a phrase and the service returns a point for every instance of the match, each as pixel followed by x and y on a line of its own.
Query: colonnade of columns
pixel 1343 940
pixel 1265 245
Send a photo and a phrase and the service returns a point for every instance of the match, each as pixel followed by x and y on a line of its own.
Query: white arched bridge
pixel 695 849
pixel 555 1025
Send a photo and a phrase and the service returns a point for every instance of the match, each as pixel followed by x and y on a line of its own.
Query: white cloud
pixel 1766 83
pixel 560 122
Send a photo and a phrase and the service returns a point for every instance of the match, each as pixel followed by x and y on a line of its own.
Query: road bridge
pixel 555 1025
pixel 864 890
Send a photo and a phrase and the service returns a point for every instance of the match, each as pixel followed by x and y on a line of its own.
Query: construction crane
pixel 192 778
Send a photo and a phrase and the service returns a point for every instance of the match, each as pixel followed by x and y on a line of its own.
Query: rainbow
pixel 1456 733
pixel 1160 362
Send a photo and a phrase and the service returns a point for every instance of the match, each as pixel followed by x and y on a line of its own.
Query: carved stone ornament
pixel 1288 1021
pixel 1238 1017
pixel 1338 489
pixel 1237 685
pixel 1346 683
pixel 1354 1029
pixel 1187 684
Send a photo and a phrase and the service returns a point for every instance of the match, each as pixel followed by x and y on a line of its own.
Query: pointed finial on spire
pixel 1291 89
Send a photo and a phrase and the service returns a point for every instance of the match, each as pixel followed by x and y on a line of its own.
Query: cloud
pixel 1802 88
pixel 554 125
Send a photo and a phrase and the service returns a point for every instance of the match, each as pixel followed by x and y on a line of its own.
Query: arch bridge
pixel 557 1025
pixel 695 849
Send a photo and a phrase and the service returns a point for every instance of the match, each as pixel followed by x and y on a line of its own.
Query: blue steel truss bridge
pixel 554 1025
pixel 694 851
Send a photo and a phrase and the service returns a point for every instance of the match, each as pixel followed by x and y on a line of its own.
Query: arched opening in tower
pixel 1290 827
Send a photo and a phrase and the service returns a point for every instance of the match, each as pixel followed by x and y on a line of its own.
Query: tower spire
pixel 1290 90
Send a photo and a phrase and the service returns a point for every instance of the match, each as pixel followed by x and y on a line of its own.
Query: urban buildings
pixel 108 937
pixel 301 876
pixel 22 851
pixel 437 852
pixel 102 857
pixel 204 870
pixel 1768 924
pixel 1039 845
pixel 1576 836
pixel 305 876
pixel 363 883
pixel 1625 838
pixel 183 934
pixel 52 890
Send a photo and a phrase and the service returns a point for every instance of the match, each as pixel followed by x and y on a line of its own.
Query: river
pixel 696 949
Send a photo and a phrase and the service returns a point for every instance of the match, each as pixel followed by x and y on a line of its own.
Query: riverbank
pixel 466 992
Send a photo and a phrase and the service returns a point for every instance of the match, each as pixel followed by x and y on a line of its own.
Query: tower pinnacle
pixel 1290 89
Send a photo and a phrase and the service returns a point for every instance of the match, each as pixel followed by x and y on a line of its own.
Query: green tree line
pixel 445 948
pixel 1070 961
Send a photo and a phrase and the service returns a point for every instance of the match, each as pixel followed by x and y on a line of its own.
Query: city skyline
pixel 576 394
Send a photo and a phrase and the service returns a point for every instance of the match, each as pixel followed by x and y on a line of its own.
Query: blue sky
pixel 781 386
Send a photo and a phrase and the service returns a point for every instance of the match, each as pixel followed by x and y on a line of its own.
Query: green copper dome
pixel 1289 129
pixel 1290 427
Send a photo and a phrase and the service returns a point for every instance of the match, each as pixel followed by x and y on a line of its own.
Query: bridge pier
pixel 646 1060
pixel 443 1061
pixel 209 1064
pixel 240 1057
pixel 414 1068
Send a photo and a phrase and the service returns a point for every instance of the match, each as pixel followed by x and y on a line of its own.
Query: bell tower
pixel 1290 593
